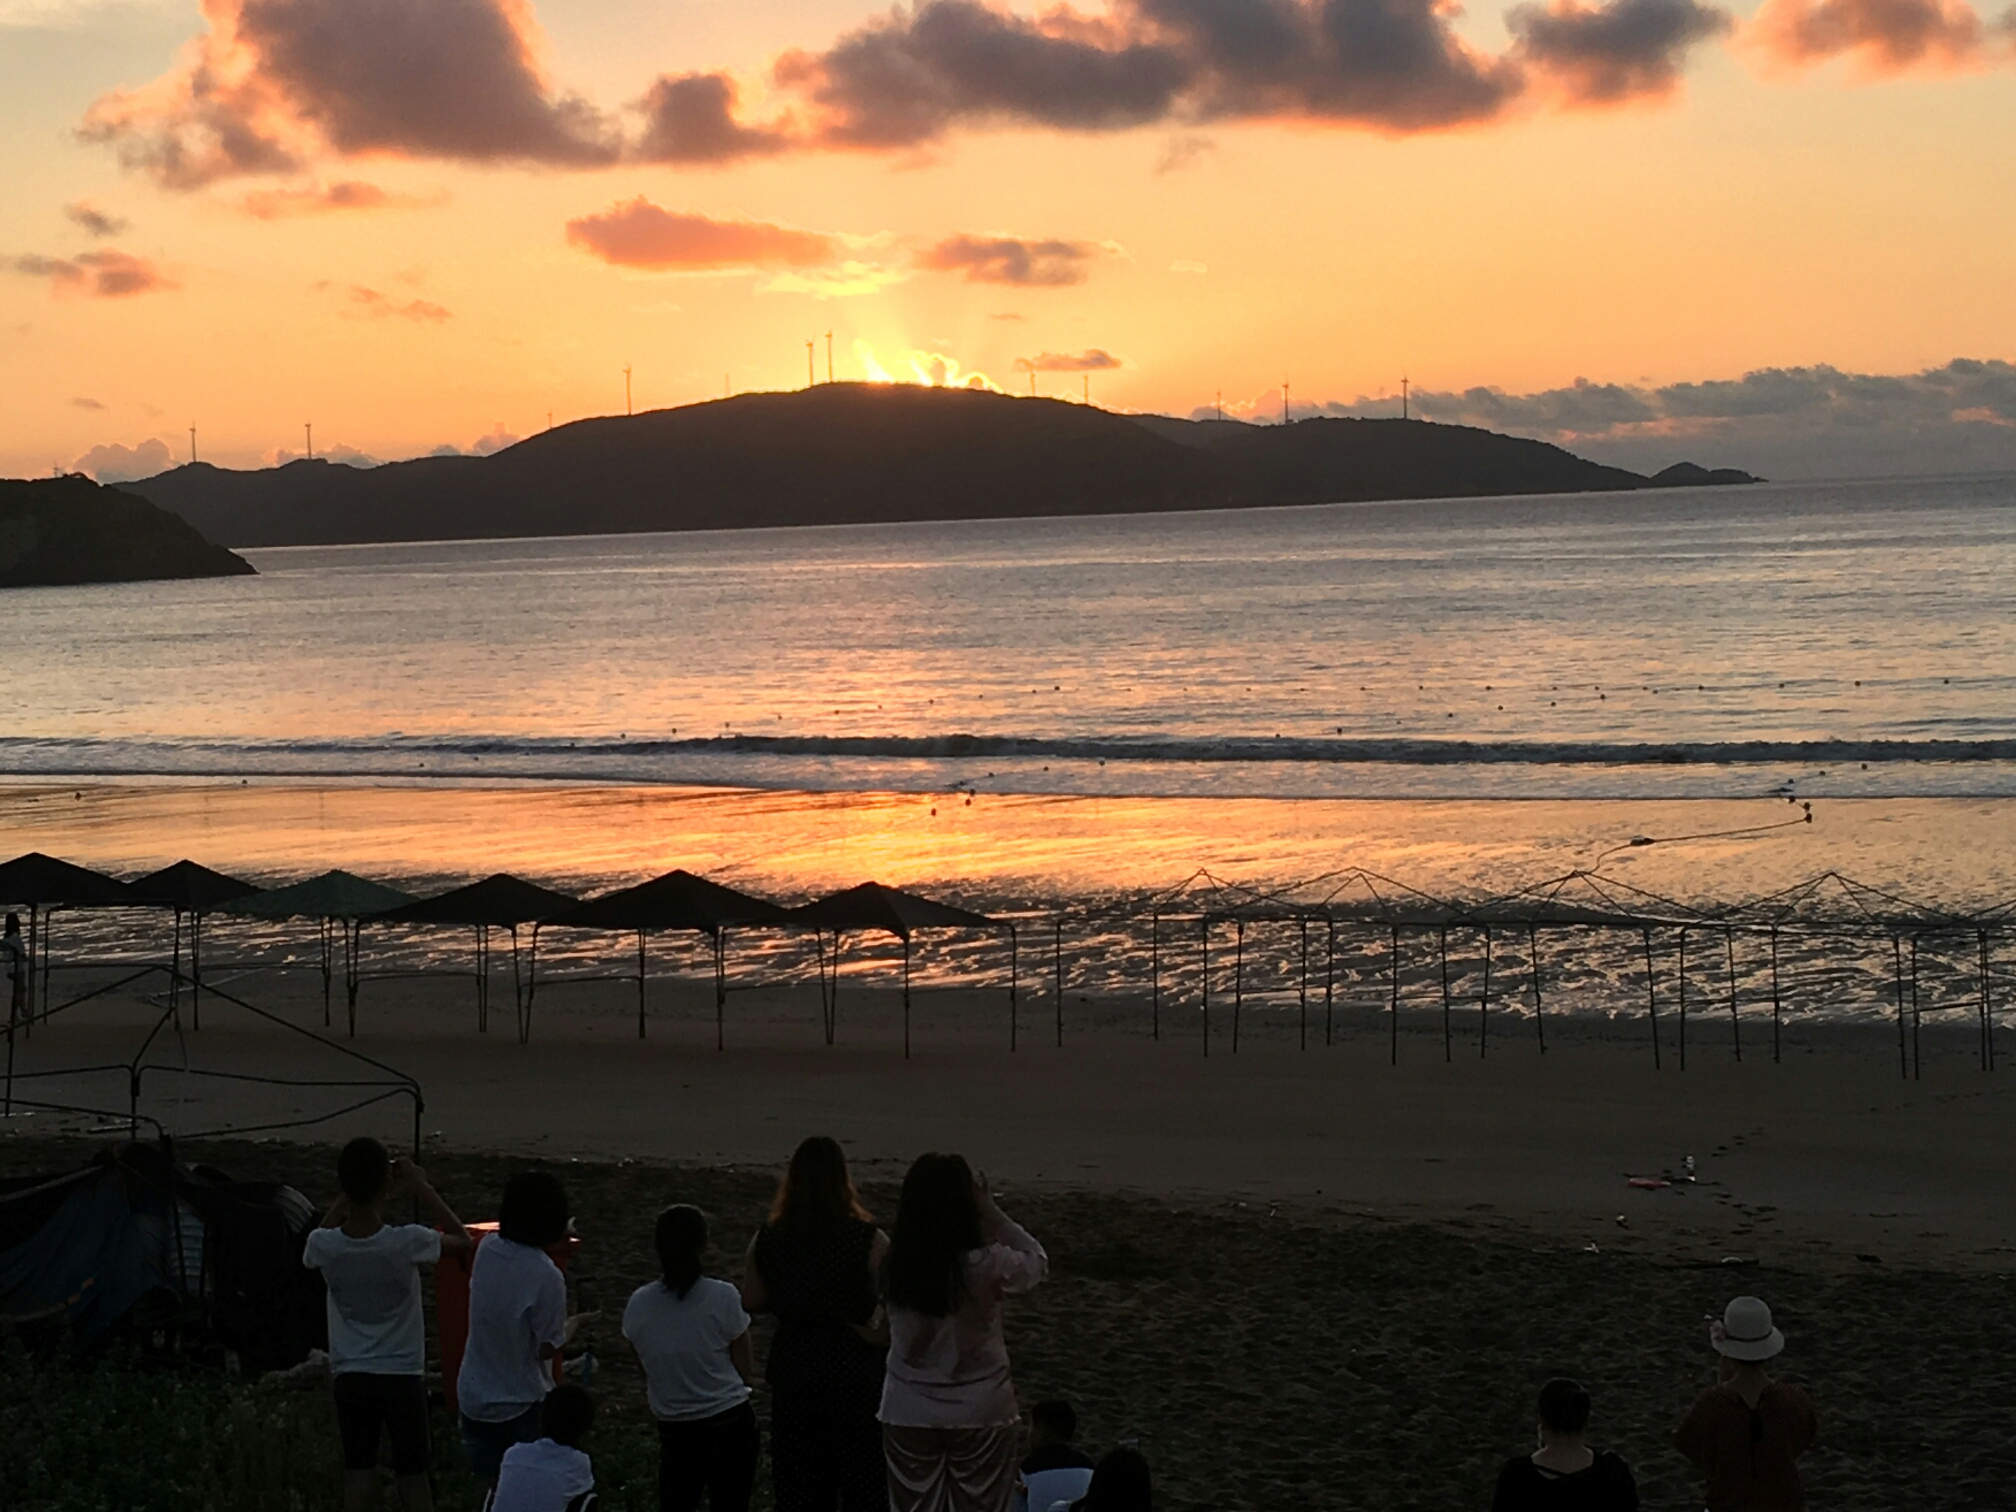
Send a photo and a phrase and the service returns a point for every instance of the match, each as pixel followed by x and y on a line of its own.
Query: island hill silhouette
pixel 69 530
pixel 853 453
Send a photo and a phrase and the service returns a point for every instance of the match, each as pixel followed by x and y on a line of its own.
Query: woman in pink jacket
pixel 951 1428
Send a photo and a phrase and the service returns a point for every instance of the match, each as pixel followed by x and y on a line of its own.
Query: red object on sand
pixel 451 1304
pixel 1647 1183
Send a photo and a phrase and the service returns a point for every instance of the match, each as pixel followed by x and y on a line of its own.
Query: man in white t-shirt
pixel 377 1334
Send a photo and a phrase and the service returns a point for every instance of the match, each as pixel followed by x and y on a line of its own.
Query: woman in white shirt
pixel 517 1322
pixel 951 1428
pixel 692 1337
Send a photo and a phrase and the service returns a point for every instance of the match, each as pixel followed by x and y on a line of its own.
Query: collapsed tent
pixel 137 1238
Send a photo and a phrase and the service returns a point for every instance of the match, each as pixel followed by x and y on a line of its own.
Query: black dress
pixel 1605 1486
pixel 825 1379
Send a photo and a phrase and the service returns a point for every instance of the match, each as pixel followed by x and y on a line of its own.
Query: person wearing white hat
pixel 1746 1432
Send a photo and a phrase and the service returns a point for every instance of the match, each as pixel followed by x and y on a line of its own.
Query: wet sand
pixel 1019 848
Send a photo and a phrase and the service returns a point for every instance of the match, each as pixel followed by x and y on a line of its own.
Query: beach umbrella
pixel 676 900
pixel 188 888
pixel 340 901
pixel 871 906
pixel 41 881
pixel 42 884
pixel 194 890
pixel 501 901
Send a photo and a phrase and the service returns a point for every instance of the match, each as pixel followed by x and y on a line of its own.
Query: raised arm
pixel 455 1239
pixel 1025 1266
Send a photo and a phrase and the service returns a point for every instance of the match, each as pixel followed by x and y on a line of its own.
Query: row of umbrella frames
pixel 343 904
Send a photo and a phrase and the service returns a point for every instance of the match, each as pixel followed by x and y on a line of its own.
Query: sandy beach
pixel 1297 1278
pixel 1827 1147
pixel 1300 1275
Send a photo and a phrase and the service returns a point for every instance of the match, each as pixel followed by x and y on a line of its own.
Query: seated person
pixel 552 1473
pixel 1120 1483
pixel 1055 1469
pixel 1564 1474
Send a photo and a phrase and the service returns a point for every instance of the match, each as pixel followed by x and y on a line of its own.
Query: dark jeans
pixel 821 1459
pixel 715 1456
pixel 483 1444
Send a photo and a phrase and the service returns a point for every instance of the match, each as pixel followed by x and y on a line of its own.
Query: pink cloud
pixel 1092 360
pixel 376 306
pixel 350 194
pixel 95 222
pixel 639 234
pixel 1880 37
pixel 1012 260
pixel 113 463
pixel 108 274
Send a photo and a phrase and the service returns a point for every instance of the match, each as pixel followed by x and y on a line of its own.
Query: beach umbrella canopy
pixel 502 900
pixel 677 900
pixel 873 906
pixel 333 895
pixel 41 881
pixel 189 888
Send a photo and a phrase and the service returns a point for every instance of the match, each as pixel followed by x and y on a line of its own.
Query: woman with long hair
pixel 950 1423
pixel 692 1337
pixel 814 1266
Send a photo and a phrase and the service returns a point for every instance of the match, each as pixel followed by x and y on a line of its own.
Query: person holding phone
pixel 377 1334
pixel 951 1428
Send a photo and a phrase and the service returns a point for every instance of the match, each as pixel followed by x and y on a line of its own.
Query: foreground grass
pixel 1263 1361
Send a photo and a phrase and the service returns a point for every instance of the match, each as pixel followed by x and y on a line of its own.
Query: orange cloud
pixel 350 194
pixel 639 234
pixel 1881 37
pixel 101 275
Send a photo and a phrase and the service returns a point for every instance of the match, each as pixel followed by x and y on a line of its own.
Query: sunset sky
pixel 428 223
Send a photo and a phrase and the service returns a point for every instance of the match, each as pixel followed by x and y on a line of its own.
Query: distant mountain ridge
pixel 849 453
pixel 65 531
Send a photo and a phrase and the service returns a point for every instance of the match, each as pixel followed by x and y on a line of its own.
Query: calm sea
pixel 1468 696
pixel 1849 639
